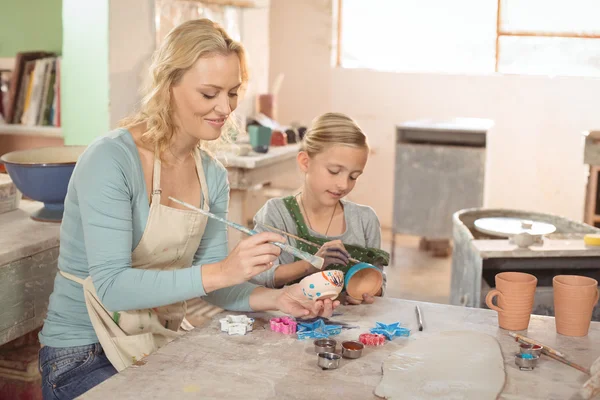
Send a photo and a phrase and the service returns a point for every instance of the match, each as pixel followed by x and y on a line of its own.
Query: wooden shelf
pixel 15 129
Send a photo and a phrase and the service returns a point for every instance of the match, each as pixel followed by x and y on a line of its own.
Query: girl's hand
pixel 333 252
pixel 366 299
pixel 250 257
pixel 291 301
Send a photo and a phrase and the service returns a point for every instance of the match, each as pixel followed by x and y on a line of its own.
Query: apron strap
pixel 202 177
pixel 156 177
pixel 365 254
pixel 294 209
pixel 156 191
pixel 71 277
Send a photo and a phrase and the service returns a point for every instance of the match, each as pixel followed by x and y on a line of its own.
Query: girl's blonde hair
pixel 333 129
pixel 180 50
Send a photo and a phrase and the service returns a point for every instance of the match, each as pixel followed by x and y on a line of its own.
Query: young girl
pixel 333 155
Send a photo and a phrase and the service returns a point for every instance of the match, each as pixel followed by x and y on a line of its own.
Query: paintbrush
pixel 549 351
pixel 354 260
pixel 316 261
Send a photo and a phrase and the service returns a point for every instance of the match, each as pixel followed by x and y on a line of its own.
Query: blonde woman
pixel 129 257
pixel 333 155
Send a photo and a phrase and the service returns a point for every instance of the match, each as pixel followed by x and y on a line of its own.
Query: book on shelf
pixel 34 90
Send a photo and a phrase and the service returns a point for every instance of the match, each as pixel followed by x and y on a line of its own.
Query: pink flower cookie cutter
pixel 372 339
pixel 285 325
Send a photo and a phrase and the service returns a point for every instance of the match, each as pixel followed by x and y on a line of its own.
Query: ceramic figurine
pixel 323 285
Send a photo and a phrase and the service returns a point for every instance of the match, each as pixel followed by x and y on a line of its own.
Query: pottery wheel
pixel 450 365
pixel 506 227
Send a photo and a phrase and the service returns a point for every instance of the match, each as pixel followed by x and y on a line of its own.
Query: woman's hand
pixel 333 252
pixel 250 257
pixel 291 301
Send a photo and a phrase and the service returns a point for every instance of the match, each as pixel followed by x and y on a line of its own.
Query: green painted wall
pixel 84 75
pixel 30 25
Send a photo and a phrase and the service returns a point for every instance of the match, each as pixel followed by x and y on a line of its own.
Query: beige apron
pixel 169 242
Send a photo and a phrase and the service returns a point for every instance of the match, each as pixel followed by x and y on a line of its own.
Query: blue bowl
pixel 363 278
pixel 43 174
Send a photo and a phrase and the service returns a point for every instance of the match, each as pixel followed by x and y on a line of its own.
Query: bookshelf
pixel 16 129
pixel 32 104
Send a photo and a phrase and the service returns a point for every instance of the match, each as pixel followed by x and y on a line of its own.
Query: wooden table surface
pixel 210 364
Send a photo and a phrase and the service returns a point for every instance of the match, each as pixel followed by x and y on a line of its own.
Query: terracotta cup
pixel 574 300
pixel 515 292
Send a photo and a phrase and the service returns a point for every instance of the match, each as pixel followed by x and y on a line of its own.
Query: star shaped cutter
pixel 317 330
pixel 390 331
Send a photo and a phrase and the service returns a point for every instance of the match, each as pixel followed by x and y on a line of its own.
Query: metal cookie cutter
pixel 236 324
pixel 526 362
pixel 352 349
pixel 325 345
pixel 526 348
pixel 328 360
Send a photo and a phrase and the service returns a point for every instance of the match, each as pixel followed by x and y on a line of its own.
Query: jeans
pixel 68 372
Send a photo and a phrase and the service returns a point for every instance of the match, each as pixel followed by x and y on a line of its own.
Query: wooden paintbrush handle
pixel 545 348
pixel 354 260
pixel 567 362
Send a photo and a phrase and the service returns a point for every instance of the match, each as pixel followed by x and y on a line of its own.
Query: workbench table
pixel 28 265
pixel 209 364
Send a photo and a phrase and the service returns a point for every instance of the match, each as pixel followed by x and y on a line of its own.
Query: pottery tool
pixel 550 352
pixel 419 318
pixel 316 261
pixel 328 321
pixel 354 260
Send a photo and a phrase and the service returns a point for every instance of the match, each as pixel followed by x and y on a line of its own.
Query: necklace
pixel 308 219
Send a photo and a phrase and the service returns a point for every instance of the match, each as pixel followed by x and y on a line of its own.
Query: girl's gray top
pixel 362 229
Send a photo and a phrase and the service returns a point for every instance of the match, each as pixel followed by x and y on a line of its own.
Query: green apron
pixel 377 257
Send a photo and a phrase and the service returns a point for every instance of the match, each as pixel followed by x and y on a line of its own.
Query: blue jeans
pixel 68 372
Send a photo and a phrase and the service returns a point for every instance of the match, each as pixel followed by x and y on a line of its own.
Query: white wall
pixel 132 40
pixel 535 151
pixel 255 38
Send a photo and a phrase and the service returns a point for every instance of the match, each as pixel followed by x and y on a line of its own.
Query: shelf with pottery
pixel 253 176
pixel 238 156
pixel 283 366
pixel 28 265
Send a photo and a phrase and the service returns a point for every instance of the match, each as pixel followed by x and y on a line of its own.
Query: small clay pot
pixel 301 132
pixel 292 136
pixel 574 300
pixel 363 278
pixel 278 138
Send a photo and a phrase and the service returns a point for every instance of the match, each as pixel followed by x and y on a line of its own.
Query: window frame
pixel 499 33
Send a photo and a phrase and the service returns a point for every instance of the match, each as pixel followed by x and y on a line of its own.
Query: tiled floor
pixel 415 275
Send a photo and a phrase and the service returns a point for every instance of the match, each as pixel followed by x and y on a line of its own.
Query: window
pixel 550 37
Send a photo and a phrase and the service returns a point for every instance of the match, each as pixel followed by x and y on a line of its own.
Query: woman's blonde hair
pixel 333 129
pixel 180 50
